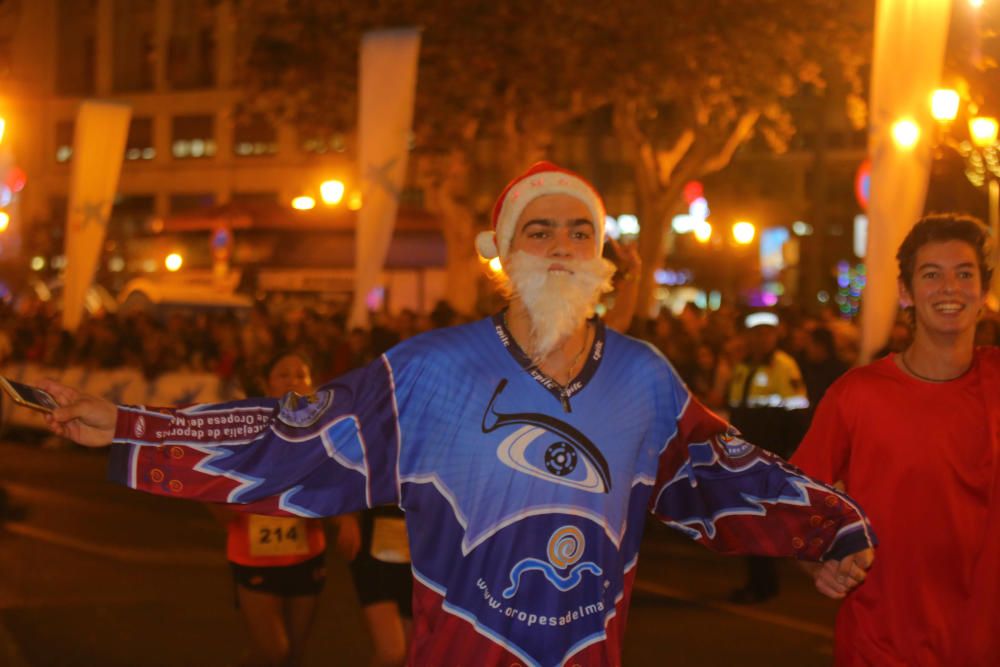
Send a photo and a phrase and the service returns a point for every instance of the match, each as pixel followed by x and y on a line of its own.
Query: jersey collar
pixel 561 393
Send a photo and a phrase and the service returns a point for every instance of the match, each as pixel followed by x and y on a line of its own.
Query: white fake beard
pixel 557 302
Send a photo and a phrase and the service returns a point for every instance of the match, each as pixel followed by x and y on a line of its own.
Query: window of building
pixel 254 198
pixel 76 50
pixel 139 145
pixel 179 203
pixel 130 214
pixel 64 140
pixel 255 135
pixel 193 137
pixel 335 143
pixel 133 51
pixel 191 56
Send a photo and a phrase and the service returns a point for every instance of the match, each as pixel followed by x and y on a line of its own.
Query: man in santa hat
pixel 526 449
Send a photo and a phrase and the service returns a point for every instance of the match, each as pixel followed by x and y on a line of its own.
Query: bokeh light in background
pixel 905 133
pixel 16 179
pixel 703 231
pixel 331 192
pixel 303 203
pixel 173 262
pixel 944 104
pixel 983 131
pixel 851 281
pixel 743 232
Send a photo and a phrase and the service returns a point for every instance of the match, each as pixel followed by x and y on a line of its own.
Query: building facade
pixel 189 147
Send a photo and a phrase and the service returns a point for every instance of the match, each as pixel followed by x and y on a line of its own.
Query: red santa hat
pixel 543 178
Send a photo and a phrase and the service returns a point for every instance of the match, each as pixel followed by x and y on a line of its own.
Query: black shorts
pixel 306 578
pixel 376 581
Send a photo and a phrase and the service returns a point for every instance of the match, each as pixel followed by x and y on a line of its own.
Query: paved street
pixel 94 574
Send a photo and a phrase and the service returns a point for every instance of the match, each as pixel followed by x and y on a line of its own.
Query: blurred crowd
pixel 704 346
pixel 232 344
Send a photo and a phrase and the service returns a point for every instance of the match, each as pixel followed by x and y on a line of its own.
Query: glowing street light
pixel 944 105
pixel 703 231
pixel 4 221
pixel 354 202
pixel 173 262
pixel 905 133
pixel 743 232
pixel 983 130
pixel 303 203
pixel 331 192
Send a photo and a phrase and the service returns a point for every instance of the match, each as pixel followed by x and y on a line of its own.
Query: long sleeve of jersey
pixel 525 501
pixel 333 452
pixel 735 497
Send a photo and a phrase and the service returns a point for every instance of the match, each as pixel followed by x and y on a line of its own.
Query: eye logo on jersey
pixel 300 411
pixel 565 549
pixel 549 449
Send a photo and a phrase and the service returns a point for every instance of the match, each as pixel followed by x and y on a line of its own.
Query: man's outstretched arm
pixel 325 454
pixel 736 498
pixel 84 419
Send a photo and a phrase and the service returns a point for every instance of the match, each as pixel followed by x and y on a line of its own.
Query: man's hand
pixel 84 419
pixel 620 316
pixel 836 578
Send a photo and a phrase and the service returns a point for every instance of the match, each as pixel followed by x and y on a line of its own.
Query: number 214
pixel 266 535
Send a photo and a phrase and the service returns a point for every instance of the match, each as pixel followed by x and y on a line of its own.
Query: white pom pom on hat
pixel 543 178
pixel 486 244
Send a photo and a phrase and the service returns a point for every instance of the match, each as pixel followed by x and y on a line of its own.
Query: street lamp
pixel 303 203
pixel 173 262
pixel 905 133
pixel 980 151
pixel 703 231
pixel 331 192
pixel 743 232
pixel 354 203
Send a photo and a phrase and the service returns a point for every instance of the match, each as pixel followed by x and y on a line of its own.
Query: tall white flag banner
pixel 98 149
pixel 388 82
pixel 910 37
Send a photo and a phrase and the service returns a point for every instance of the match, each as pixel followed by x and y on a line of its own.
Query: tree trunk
pixel 444 178
pixel 652 208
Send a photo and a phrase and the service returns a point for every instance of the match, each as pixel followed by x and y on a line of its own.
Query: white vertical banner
pixel 910 37
pixel 98 149
pixel 388 82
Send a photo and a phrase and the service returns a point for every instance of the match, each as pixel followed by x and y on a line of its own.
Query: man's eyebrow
pixel 549 222
pixel 544 222
pixel 935 265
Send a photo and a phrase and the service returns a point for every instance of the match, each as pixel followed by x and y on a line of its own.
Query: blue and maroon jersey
pixel 524 500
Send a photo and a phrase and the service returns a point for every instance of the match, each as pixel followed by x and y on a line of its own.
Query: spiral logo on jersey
pixel 548 448
pixel 565 548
